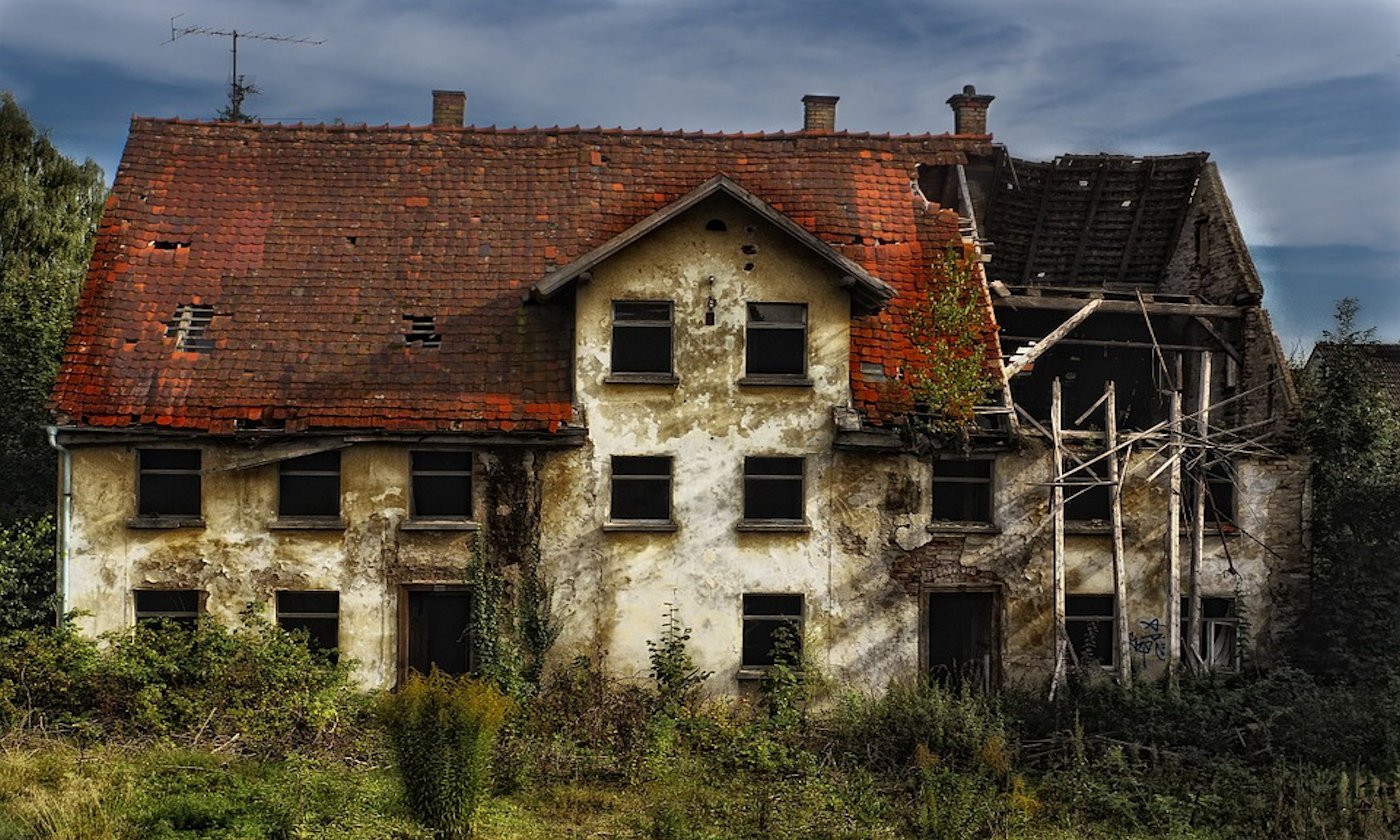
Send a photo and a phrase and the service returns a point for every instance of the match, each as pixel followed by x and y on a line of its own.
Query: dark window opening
pixel 422 331
pixel 315 613
pixel 716 224
pixel 773 489
pixel 176 606
pixel 310 486
pixel 1087 496
pixel 962 490
pixel 442 484
pixel 168 482
pixel 189 327
pixel 641 488
pixel 1220 493
pixel 439 631
pixel 961 638
pixel 1089 621
pixel 641 338
pixel 1219 641
pixel 776 339
pixel 772 631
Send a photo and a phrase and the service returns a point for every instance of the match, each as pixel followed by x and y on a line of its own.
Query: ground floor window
pixel 1089 621
pixel 177 606
pixel 1219 642
pixel 315 613
pixel 772 630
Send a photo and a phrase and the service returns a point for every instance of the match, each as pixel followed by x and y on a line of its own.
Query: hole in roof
pixel 748 266
pixel 168 244
pixel 1127 202
pixel 422 331
pixel 716 224
pixel 352 239
pixel 189 327
pixel 750 249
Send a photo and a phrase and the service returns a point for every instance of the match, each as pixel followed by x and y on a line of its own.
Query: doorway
pixel 961 639
pixel 437 627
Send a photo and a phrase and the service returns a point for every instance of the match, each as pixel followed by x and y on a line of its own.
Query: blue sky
pixel 1298 102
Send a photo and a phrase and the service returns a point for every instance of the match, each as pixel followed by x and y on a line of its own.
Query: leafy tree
pixel 1351 630
pixel 49 208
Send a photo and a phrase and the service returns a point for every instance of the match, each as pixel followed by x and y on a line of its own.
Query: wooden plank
pixel 1198 518
pixel 1147 168
pixel 1039 223
pixel 1122 307
pixel 1174 548
pixel 1224 345
pixel 1055 335
pixel 1115 519
pixel 1057 525
pixel 1100 176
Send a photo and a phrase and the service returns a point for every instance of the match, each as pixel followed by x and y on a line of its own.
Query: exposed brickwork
pixel 937 563
pixel 313 244
pixel 819 113
pixel 449 108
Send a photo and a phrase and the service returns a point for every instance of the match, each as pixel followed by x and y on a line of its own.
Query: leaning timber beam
pixel 1055 335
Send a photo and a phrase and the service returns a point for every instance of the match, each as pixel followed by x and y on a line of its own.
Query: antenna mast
pixel 238 89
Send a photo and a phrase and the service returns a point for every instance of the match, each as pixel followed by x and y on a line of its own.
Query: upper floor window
pixel 442 484
pixel 1220 493
pixel 309 486
pixel 962 490
pixel 641 490
pixel 168 483
pixel 1087 493
pixel 177 606
pixel 641 339
pixel 773 490
pixel 776 342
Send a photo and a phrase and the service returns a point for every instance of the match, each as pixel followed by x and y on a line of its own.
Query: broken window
pixel 641 488
pixel 176 606
pixel 1220 493
pixel 773 489
pixel 168 483
pixel 962 490
pixel 1219 642
pixel 1088 496
pixel 189 327
pixel 772 631
pixel 641 337
pixel 422 331
pixel 442 484
pixel 309 486
pixel 776 340
pixel 1089 622
pixel 316 613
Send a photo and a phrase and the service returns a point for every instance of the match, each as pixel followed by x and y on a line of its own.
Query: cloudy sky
pixel 1298 102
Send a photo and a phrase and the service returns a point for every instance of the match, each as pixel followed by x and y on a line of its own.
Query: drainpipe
pixel 65 517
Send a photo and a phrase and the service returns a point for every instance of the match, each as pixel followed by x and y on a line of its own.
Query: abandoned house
pixel 338 371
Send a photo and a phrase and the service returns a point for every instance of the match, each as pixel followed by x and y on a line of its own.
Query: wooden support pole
pixel 1174 546
pixel 1057 527
pixel 1198 515
pixel 1123 654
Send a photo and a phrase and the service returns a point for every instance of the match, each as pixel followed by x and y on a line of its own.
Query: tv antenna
pixel 238 89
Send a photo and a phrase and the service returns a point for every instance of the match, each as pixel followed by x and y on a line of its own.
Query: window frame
pixel 179 519
pixel 987 484
pixel 780 377
pixel 1101 642
pixel 749 522
pixel 1217 474
pixel 442 521
pixel 287 468
pixel 619 521
pixel 1085 494
pixel 797 620
pixel 639 375
pixel 185 618
pixel 1210 624
pixel 283 616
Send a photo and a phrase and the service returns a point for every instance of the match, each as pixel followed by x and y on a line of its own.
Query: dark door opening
pixel 962 647
pixel 439 630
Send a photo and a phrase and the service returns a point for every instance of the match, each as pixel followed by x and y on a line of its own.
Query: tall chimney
pixel 970 111
pixel 450 108
pixel 819 113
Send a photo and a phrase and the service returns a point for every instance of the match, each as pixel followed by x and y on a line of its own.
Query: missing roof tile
pixel 189 327
pixel 422 331
pixel 168 244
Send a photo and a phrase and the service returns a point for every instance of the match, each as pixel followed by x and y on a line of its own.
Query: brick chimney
pixel 450 108
pixel 819 113
pixel 970 111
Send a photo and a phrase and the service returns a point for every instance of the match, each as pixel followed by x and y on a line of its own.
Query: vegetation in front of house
pixel 215 732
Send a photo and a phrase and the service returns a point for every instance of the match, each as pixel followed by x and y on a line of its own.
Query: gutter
pixel 65 519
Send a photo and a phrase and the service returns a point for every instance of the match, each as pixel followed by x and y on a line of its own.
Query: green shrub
pixel 27 567
pixel 673 669
pixel 441 730
pixel 46 677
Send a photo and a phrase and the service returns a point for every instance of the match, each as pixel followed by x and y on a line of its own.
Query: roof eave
pixel 868 292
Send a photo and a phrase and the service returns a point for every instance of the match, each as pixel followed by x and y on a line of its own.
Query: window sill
pixel 949 526
pixel 1229 532
pixel 782 380
pixel 755 673
pixel 651 525
pixel 1090 528
pixel 147 522
pixel 307 523
pixel 794 526
pixel 439 525
pixel 642 379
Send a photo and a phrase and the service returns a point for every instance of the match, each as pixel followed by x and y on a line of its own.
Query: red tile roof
pixel 313 244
